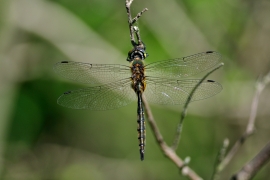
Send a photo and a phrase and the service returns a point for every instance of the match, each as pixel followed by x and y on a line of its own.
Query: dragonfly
pixel 113 85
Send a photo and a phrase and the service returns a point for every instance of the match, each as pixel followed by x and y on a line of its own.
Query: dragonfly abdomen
pixel 141 125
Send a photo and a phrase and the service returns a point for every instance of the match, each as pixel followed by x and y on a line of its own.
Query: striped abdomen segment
pixel 141 125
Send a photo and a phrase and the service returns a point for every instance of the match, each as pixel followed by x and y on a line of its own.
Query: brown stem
pixel 252 167
pixel 169 152
pixel 250 127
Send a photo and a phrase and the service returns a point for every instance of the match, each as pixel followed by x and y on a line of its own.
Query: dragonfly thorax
pixel 137 75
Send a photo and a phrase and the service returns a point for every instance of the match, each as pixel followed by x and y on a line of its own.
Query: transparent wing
pixel 104 97
pixel 173 92
pixel 184 67
pixel 91 73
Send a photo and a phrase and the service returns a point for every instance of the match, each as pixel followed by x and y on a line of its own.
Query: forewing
pixel 91 73
pixel 173 92
pixel 104 97
pixel 184 67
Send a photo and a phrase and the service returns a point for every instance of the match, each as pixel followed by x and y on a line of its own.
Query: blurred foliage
pixel 41 140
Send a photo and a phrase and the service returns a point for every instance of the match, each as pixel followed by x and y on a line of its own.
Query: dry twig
pixel 168 151
pixel 252 167
pixel 250 127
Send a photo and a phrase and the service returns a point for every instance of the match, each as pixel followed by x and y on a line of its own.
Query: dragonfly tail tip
pixel 142 155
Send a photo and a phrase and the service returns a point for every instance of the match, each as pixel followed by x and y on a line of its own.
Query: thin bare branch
pixel 252 167
pixel 220 157
pixel 169 152
pixel 131 22
pixel 250 127
pixel 183 114
pixel 134 20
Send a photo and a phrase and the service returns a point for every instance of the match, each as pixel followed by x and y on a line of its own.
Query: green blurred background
pixel 41 140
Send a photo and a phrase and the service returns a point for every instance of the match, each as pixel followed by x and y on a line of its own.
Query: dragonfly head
pixel 137 52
